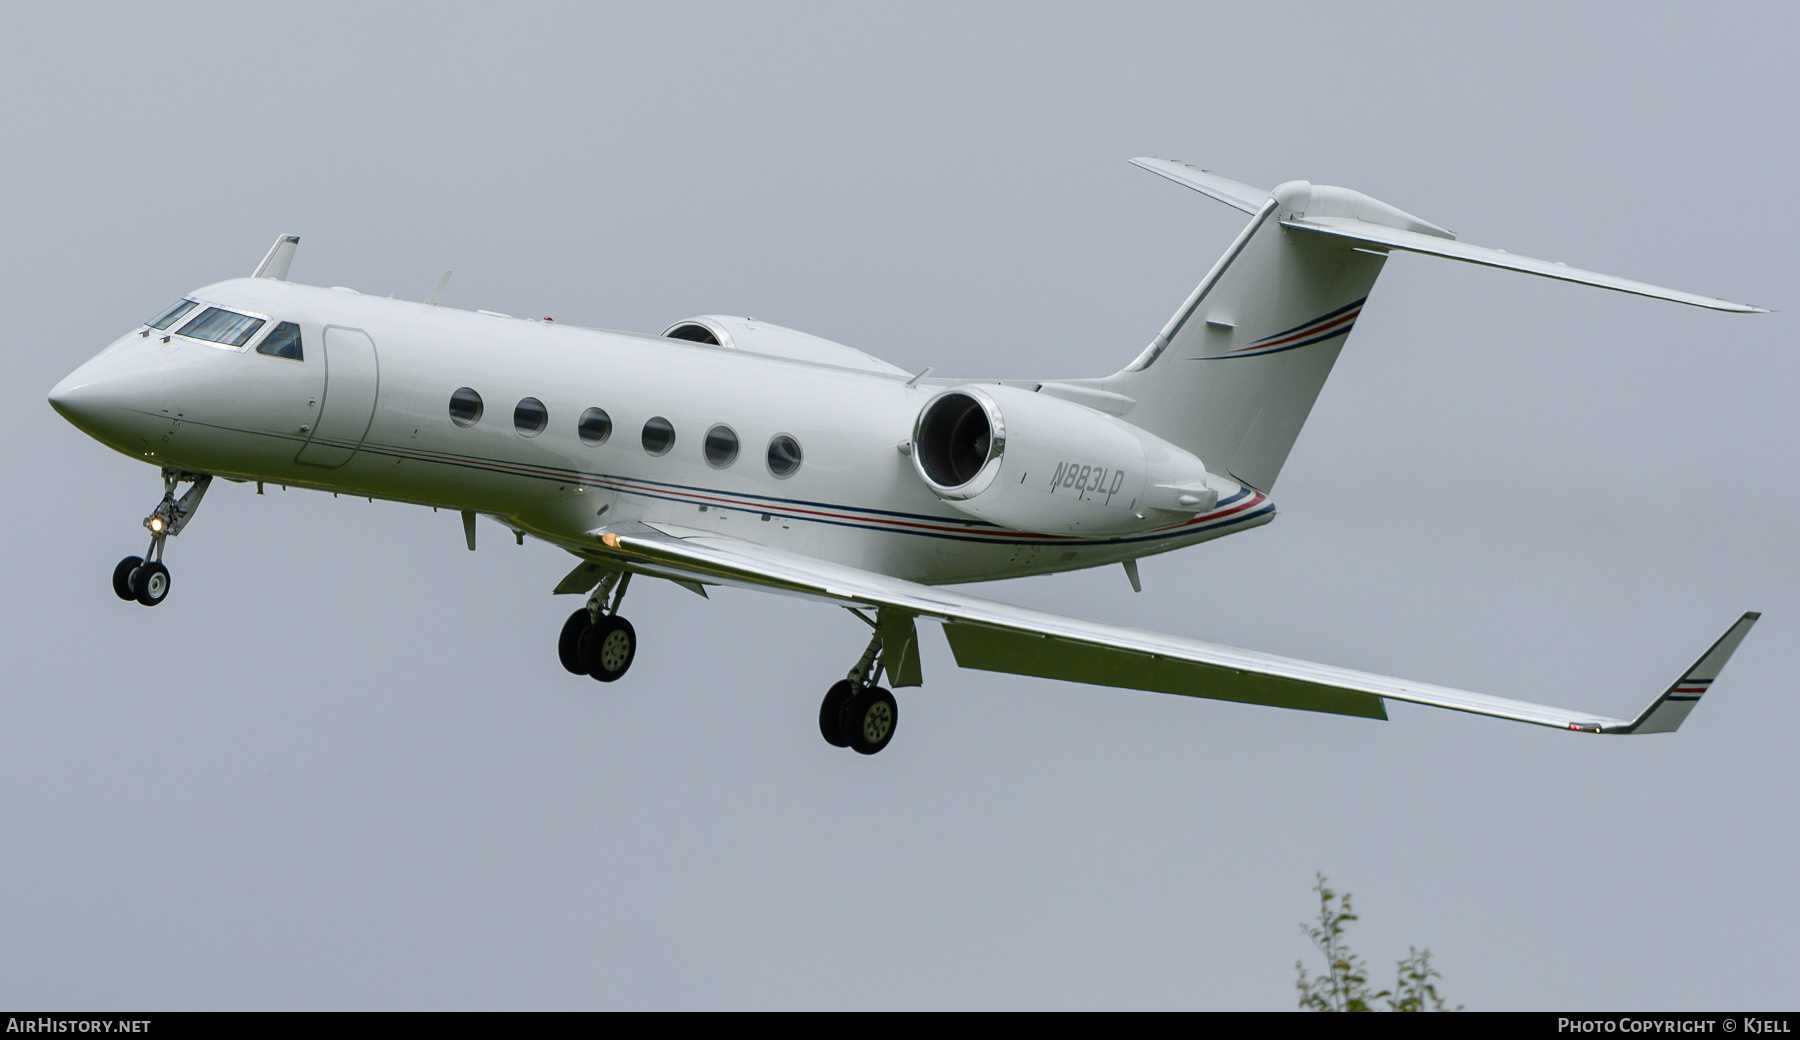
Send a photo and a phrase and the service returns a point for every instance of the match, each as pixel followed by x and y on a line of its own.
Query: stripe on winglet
pixel 1666 713
pixel 1689 690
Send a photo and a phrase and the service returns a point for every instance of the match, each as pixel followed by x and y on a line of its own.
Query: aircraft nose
pixel 113 396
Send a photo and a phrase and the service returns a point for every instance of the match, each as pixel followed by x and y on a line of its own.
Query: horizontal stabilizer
pixel 1232 193
pixel 1412 241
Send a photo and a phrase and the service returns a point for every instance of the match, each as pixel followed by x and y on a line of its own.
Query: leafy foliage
pixel 1345 984
pixel 1415 991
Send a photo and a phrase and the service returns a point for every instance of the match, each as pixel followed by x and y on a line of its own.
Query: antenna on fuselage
pixel 437 291
pixel 281 255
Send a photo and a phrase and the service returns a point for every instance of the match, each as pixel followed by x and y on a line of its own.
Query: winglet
pixel 280 257
pixel 1665 715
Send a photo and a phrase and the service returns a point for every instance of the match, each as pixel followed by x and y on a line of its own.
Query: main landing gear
pixel 595 640
pixel 856 713
pixel 144 578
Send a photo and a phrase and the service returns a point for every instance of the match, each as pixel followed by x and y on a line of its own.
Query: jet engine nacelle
pixel 760 337
pixel 1036 463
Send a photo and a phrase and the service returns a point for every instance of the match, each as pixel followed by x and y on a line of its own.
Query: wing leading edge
pixel 995 636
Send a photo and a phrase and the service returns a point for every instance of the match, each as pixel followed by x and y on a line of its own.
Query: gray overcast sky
pixel 342 768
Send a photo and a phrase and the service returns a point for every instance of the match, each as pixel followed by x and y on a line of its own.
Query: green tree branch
pixel 1344 986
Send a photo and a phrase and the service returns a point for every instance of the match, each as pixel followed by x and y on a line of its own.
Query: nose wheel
pixel 122 576
pixel 146 581
pixel 595 641
pixel 145 578
pixel 134 579
pixel 150 583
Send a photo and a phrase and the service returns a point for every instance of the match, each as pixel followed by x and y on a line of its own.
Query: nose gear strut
pixel 144 578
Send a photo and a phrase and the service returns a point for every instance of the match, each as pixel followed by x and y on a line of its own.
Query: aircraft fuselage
pixel 366 411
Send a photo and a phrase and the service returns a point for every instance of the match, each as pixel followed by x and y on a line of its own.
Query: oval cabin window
pixel 721 446
pixel 659 436
pixel 594 426
pixel 784 455
pixel 530 417
pixel 465 407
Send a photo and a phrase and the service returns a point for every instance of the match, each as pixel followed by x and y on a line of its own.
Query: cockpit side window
pixel 218 325
pixel 172 315
pixel 283 342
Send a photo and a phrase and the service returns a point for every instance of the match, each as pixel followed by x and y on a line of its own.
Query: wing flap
pixel 1027 653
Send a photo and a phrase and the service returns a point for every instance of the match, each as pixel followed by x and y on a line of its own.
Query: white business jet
pixel 729 451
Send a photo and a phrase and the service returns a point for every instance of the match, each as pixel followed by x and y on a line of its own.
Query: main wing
pixel 1001 637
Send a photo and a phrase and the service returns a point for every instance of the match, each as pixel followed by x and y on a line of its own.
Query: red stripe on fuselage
pixel 630 486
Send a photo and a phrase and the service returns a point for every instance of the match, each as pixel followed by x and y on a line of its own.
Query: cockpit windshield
pixel 218 325
pixel 283 342
pixel 172 315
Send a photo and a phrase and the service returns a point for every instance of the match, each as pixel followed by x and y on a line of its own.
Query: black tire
pixel 869 719
pixel 831 711
pixel 608 647
pixel 568 644
pixel 151 583
pixel 122 576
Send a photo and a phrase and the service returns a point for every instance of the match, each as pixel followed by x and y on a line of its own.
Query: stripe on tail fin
pixel 1320 329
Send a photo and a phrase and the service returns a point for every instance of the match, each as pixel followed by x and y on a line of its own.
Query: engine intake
pixel 958 442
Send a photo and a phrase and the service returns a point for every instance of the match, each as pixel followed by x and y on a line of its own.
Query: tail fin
pixel 1234 374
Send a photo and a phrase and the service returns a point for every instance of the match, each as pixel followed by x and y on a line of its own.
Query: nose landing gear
pixel 595 640
pixel 145 578
pixel 856 713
